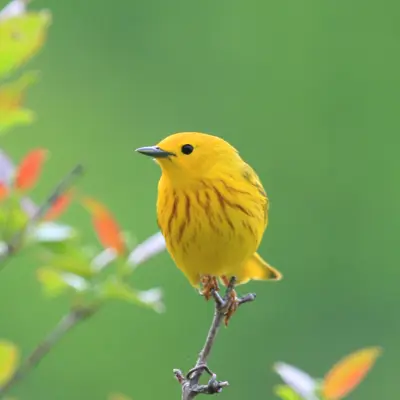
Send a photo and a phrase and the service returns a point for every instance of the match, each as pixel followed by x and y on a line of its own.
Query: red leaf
pixel 29 169
pixel 3 191
pixel 348 373
pixel 105 226
pixel 58 207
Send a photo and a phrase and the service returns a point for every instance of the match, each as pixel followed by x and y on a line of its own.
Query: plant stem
pixel 190 384
pixel 16 241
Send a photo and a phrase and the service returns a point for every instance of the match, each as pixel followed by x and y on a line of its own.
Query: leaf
pixel 12 218
pixel 55 247
pixel 6 168
pixel 13 9
pixel 301 382
pixel 56 282
pixel 74 261
pixel 105 226
pixel 75 282
pixel 11 98
pixel 114 289
pixel 50 232
pixel 9 358
pixel 68 256
pixel 3 191
pixel 348 373
pixel 149 248
pixel 52 281
pixel 152 298
pixel 101 260
pixel 58 207
pixel 286 393
pixel 29 169
pixel 21 37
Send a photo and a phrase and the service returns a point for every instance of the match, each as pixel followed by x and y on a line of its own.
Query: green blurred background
pixel 309 93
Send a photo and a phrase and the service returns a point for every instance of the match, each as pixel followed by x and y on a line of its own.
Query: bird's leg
pixel 232 301
pixel 209 284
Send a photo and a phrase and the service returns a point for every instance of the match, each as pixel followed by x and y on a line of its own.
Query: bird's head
pixel 190 156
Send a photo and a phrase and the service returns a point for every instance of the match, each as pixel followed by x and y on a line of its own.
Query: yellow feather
pixel 212 208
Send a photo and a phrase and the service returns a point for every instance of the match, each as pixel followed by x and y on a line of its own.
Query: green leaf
pixel 9 358
pixel 52 281
pixel 21 37
pixel 286 393
pixel 74 261
pixel 57 248
pixel 56 239
pixel 69 256
pixel 56 282
pixel 12 218
pixel 11 98
pixel 115 289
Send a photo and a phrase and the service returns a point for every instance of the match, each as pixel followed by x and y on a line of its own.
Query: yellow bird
pixel 212 210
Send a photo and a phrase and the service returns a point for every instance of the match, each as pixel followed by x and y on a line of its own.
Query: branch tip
pixel 179 376
pixel 247 298
pixel 190 383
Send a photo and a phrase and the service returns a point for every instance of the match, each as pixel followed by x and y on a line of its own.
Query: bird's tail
pixel 258 269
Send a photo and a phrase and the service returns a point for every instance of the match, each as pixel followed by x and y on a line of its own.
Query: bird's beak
pixel 154 151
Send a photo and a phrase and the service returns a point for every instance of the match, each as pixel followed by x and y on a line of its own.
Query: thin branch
pixel 69 321
pixel 62 187
pixel 65 325
pixel 190 383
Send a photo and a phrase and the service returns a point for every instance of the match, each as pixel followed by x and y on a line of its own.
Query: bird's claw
pixel 210 285
pixel 232 304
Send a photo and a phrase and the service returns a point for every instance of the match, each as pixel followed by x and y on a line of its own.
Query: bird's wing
pixel 250 176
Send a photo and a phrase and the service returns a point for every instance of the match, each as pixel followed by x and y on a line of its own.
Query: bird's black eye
pixel 187 149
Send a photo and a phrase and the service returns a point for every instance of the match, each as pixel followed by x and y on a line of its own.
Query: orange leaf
pixel 58 207
pixel 29 169
pixel 348 373
pixel 105 226
pixel 3 191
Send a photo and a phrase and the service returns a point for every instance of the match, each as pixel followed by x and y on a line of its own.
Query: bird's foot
pixel 231 301
pixel 232 304
pixel 210 285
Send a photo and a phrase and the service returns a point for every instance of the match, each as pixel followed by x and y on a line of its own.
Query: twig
pixel 68 322
pixel 190 383
pixel 149 248
pixel 64 185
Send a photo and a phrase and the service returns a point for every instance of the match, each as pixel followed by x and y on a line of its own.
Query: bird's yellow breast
pixel 211 227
